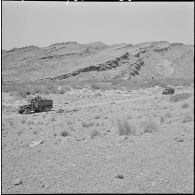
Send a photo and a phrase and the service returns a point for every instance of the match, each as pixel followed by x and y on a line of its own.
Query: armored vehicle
pixel 168 91
pixel 36 104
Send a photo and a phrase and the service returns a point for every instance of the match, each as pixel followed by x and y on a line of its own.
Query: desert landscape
pixel 111 130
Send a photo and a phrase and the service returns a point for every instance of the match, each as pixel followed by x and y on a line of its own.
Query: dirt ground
pixel 39 156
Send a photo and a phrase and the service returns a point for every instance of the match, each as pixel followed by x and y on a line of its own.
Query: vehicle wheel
pixel 49 108
pixel 27 111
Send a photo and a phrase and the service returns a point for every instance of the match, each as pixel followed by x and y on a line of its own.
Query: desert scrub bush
pixel 97 117
pixel 125 127
pixel 185 105
pixel 180 97
pixel 162 119
pixel 53 119
pixel 30 122
pixel 149 125
pixel 95 86
pixel 87 124
pixel 187 118
pixel 94 133
pixel 60 90
pixel 168 115
pixel 69 122
pixel 64 133
pixel 23 121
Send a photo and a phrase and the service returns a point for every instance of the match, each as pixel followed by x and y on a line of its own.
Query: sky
pixel 45 23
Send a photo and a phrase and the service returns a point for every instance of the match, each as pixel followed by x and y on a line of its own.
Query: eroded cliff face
pixel 98 61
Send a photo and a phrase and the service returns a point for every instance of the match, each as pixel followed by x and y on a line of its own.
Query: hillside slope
pixel 72 60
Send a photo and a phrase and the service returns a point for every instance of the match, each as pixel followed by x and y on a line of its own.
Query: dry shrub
pixel 125 128
pixel 87 124
pixel 149 125
pixel 95 86
pixel 168 115
pixel 187 118
pixel 162 119
pixel 185 105
pixel 69 122
pixel 23 121
pixel 180 97
pixel 60 111
pixel 53 119
pixel 64 133
pixel 60 90
pixel 94 133
pixel 35 132
pixel 97 117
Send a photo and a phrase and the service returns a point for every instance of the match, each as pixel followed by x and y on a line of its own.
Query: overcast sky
pixel 45 23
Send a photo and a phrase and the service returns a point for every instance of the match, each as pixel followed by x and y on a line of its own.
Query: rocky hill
pixel 71 60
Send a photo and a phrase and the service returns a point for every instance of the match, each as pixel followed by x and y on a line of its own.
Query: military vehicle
pixel 36 104
pixel 168 91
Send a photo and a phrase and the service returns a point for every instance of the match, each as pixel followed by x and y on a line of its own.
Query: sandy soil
pixel 37 158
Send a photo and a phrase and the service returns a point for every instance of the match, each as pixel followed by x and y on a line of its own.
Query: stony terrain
pixel 77 147
pixel 110 130
pixel 98 61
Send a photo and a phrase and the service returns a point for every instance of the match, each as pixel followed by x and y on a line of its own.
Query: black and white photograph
pixel 97 97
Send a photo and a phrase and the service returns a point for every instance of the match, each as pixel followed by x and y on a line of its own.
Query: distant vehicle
pixel 168 91
pixel 36 104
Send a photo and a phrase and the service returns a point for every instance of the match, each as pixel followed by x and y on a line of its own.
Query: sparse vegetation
pixel 30 122
pixel 168 115
pixel 185 105
pixel 180 97
pixel 64 133
pixel 149 125
pixel 162 119
pixel 125 128
pixel 95 86
pixel 35 132
pixel 60 111
pixel 53 119
pixel 187 118
pixel 69 122
pixel 87 124
pixel 23 121
pixel 94 133
pixel 97 117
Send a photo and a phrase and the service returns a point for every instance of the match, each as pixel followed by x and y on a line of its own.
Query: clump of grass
pixel 179 97
pixel 30 122
pixel 60 111
pixel 149 125
pixel 168 115
pixel 60 90
pixel 162 119
pixel 98 94
pixel 97 124
pixel 87 124
pixel 53 119
pixel 97 117
pixel 187 118
pixel 64 133
pixel 95 86
pixel 34 132
pixel 185 105
pixel 23 121
pixel 125 128
pixel 11 123
pixel 94 133
pixel 69 122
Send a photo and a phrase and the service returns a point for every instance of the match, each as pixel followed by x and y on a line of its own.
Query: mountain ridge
pixel 72 60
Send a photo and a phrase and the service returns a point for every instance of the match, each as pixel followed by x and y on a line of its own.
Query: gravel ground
pixel 94 158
